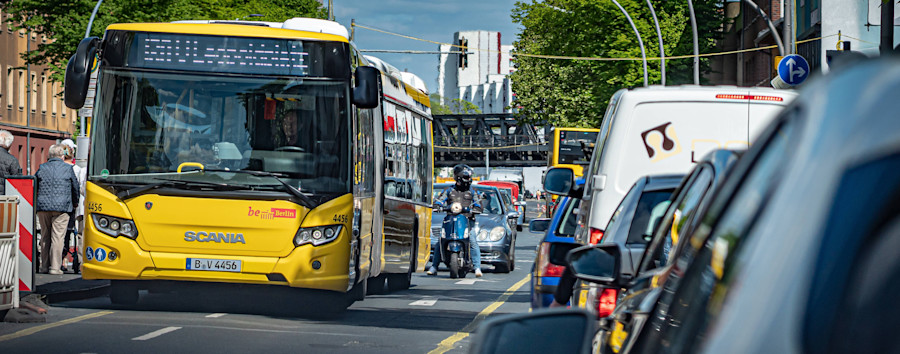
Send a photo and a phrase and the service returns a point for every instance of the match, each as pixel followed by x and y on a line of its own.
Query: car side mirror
pixel 539 225
pixel 559 251
pixel 520 203
pixel 368 82
pixel 596 263
pixel 559 181
pixel 544 331
pixel 512 215
pixel 78 72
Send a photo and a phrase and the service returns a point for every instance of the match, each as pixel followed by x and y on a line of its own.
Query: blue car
pixel 561 228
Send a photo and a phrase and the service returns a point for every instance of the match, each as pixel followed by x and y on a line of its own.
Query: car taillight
pixel 545 268
pixel 606 303
pixel 596 236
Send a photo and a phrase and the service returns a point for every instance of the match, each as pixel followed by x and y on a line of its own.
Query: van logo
pixel 217 237
pixel 148 205
pixel 661 142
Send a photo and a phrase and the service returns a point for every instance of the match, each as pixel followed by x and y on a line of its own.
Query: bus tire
pixel 397 282
pixel 357 293
pixel 375 285
pixel 453 263
pixel 123 292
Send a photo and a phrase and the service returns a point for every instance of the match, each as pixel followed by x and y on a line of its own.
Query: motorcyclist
pixel 463 193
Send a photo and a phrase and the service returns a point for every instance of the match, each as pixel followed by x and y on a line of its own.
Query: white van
pixel 659 130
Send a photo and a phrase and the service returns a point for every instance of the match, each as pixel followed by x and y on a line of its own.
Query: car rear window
pixel 647 216
pixel 568 224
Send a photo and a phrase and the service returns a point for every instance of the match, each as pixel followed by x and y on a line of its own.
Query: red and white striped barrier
pixel 23 187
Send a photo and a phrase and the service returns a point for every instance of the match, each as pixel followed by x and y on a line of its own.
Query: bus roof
pixel 300 28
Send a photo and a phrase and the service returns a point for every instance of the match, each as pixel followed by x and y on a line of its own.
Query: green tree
pixel 455 106
pixel 65 21
pixel 576 92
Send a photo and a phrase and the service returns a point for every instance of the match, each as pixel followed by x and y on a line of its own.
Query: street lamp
pixel 662 50
pixel 640 41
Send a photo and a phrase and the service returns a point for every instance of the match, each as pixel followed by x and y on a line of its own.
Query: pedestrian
pixel 76 218
pixel 57 193
pixel 9 165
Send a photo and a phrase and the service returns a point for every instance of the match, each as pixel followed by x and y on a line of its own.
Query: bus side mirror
pixel 78 72
pixel 365 94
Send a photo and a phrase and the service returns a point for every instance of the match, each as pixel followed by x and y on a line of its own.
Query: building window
pixel 21 76
pixel 53 91
pixel 33 90
pixel 43 94
pixel 9 87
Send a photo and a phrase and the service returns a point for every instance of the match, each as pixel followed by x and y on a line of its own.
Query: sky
pixel 435 20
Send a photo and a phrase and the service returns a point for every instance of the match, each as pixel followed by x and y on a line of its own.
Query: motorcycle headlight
pixel 114 226
pixel 456 208
pixel 497 233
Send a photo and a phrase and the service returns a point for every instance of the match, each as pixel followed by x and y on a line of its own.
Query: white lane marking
pixel 423 302
pixel 216 315
pixel 156 333
pixel 467 281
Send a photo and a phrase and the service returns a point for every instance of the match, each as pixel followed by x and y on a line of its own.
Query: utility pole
pixel 330 11
pixel 788 34
pixel 696 45
pixel 887 27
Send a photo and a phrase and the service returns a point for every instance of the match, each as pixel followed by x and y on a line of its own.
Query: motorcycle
pixel 454 240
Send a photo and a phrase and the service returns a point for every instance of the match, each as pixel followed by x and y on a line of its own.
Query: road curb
pixel 78 294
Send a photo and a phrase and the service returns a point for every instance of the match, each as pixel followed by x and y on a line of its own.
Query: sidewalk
pixel 67 287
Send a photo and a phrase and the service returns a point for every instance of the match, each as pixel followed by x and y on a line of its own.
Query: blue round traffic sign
pixel 89 253
pixel 100 254
pixel 793 69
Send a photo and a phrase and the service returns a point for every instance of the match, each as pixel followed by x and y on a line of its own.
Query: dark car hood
pixel 485 221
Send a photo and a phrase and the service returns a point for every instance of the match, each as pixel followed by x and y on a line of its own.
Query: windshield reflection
pixel 151 123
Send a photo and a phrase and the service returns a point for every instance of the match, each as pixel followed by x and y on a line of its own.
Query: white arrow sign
pixel 799 71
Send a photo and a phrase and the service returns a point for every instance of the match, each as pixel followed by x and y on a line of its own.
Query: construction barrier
pixel 23 187
pixel 9 251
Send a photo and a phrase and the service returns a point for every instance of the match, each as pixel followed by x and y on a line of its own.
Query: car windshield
pixel 153 123
pixel 650 210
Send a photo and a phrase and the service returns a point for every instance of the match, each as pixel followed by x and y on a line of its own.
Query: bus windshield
pixel 149 123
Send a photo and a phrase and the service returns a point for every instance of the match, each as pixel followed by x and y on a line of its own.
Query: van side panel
pixel 664 137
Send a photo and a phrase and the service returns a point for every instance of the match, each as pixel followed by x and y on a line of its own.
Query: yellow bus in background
pixel 568 148
pixel 253 153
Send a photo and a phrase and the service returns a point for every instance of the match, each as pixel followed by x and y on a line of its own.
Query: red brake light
pixel 596 236
pixel 606 303
pixel 750 97
pixel 545 268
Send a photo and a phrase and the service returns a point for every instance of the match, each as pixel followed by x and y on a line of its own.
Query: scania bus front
pixel 220 153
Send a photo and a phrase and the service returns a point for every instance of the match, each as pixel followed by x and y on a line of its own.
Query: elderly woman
pixel 9 165
pixel 58 192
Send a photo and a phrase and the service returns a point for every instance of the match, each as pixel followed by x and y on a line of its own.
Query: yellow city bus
pixel 253 153
pixel 568 148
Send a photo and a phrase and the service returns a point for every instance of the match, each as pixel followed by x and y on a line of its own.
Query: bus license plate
pixel 218 265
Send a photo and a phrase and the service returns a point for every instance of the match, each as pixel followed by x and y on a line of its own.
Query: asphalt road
pixel 435 315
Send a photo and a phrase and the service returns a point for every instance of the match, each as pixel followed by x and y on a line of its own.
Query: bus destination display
pixel 218 54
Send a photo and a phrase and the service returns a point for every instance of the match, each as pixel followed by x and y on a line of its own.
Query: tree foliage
pixel 575 92
pixel 65 21
pixel 455 106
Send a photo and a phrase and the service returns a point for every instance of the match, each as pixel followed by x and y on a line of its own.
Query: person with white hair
pixel 9 165
pixel 58 192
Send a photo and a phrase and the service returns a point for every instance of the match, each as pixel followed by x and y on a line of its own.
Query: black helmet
pixel 463 175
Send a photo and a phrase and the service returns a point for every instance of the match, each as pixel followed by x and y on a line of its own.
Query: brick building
pixel 30 105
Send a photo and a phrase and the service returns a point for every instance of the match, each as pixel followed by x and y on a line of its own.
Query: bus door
pixel 365 190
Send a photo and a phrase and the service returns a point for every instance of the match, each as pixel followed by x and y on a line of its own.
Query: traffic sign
pixel 793 69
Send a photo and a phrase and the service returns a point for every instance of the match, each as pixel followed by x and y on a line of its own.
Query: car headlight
pixel 482 235
pixel 114 226
pixel 317 235
pixel 497 233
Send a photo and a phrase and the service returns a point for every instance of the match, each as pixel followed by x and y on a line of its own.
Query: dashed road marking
pixel 466 282
pixel 156 333
pixel 216 315
pixel 423 302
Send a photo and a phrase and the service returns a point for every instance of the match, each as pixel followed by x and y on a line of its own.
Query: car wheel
pixel 501 268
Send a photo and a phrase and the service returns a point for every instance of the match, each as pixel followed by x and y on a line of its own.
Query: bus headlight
pixel 114 226
pixel 317 235
pixel 497 233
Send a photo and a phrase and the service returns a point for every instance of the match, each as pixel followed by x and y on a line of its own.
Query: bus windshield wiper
pixel 137 191
pixel 301 198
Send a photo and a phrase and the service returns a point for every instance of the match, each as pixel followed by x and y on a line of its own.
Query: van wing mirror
pixel 596 263
pixel 559 181
pixel 78 72
pixel 545 331
pixel 539 225
pixel 559 251
pixel 368 83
